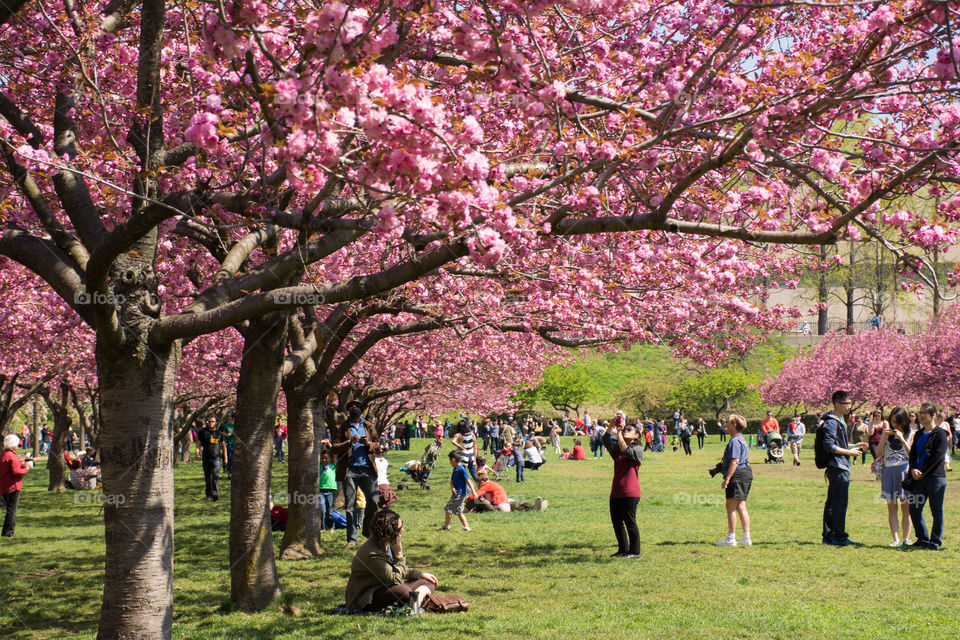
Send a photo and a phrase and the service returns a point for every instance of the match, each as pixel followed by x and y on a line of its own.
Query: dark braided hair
pixel 385 525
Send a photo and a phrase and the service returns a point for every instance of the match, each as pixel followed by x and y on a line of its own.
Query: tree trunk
pixel 136 446
pixel 253 569
pixel 83 432
pixel 302 538
pixel 55 464
pixel 823 291
pixel 851 291
pixel 61 426
pixel 937 297
pixel 36 428
pixel 850 315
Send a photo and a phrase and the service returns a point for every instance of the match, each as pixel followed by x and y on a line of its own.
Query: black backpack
pixel 821 457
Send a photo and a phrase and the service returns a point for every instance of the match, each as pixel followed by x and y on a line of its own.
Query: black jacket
pixel 938 442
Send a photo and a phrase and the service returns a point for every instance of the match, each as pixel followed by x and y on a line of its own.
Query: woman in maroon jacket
pixel 12 471
pixel 627 452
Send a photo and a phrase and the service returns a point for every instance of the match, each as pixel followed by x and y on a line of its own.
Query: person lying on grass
pixel 491 496
pixel 379 576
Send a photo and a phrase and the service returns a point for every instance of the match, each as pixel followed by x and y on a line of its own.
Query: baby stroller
pixel 500 466
pixel 774 448
pixel 419 471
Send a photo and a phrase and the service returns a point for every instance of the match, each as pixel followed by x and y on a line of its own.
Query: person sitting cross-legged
pixel 379 576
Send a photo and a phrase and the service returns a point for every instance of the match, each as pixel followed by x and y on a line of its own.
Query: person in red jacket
pixel 12 470
pixel 625 448
pixel 578 451
pixel 489 496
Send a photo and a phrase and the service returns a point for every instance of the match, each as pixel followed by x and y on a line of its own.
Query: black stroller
pixel 419 470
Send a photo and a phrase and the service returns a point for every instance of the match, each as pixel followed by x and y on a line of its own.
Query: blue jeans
pixel 932 490
pixel 471 465
pixel 278 447
pixel 365 479
pixel 326 509
pixel 519 465
pixel 835 509
pixel 229 466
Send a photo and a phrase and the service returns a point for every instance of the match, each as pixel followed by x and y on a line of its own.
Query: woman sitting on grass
pixel 535 459
pixel 578 451
pixel 379 576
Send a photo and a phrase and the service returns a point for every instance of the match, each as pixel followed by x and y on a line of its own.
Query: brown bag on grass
pixel 444 603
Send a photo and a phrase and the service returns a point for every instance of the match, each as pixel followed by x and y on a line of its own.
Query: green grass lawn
pixel 532 575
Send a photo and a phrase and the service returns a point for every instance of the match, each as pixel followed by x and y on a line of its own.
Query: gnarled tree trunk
pixel 58 439
pixel 253 569
pixel 136 446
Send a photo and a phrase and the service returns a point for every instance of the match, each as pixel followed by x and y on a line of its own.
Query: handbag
pixel 444 603
pixel 877 467
pixel 908 484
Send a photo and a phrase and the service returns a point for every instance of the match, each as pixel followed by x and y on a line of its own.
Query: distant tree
pixel 716 391
pixel 527 399
pixel 565 388
pixel 647 397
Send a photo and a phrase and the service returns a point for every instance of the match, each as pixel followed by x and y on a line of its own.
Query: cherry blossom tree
pixel 327 153
pixel 877 368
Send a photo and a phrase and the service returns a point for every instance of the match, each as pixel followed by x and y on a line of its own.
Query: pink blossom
pixel 202 130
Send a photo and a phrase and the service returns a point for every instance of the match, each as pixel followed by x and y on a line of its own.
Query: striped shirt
pixel 468 442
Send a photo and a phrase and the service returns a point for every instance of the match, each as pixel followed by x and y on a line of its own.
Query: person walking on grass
pixel 685 433
pixel 213 451
pixel 701 432
pixel 555 438
pixel 461 486
pixel 928 480
pixel 861 433
pixel 833 454
pixel 516 451
pixel 894 450
pixel 737 478
pixel 12 470
pixel 624 445
pixel 795 432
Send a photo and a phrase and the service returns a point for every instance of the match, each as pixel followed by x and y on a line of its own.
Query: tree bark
pixel 61 425
pixel 36 428
pixel 136 447
pixel 850 290
pixel 253 570
pixel 302 537
pixel 937 297
pixel 823 292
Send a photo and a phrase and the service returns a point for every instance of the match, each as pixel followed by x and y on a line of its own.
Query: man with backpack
pixel 831 453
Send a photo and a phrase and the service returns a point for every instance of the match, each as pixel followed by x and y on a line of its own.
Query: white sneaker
pixel 540 504
pixel 745 541
pixel 895 543
pixel 907 542
pixel 729 541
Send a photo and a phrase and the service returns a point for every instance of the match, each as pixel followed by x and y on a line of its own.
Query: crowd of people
pixel 910 454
